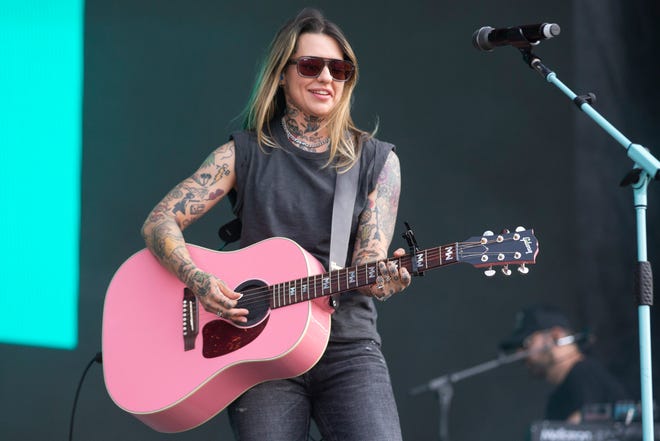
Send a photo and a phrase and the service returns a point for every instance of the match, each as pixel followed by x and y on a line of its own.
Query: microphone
pixel 487 38
pixel 579 337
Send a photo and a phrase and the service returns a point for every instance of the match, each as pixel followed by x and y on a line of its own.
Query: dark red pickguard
pixel 220 337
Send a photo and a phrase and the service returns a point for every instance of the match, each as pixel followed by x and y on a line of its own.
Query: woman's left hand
pixel 391 279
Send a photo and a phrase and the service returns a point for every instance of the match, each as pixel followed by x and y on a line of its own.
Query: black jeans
pixel 348 393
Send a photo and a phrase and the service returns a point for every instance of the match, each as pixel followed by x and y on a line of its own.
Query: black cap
pixel 532 319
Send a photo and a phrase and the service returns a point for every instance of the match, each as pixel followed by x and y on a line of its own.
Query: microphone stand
pixel 443 386
pixel 646 167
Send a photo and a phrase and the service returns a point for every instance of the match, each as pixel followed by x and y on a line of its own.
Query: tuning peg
pixel 486 234
pixel 519 229
pixel 505 231
pixel 490 272
pixel 522 269
pixel 506 271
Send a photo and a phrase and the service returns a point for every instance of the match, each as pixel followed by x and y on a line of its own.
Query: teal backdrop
pixel 41 88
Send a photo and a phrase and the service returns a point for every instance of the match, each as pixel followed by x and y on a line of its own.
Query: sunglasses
pixel 311 67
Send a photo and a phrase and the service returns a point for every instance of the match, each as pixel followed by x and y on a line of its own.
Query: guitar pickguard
pixel 220 337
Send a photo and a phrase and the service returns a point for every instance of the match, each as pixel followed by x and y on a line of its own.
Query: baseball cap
pixel 531 319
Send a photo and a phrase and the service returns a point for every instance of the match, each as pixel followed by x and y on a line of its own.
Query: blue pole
pixel 649 167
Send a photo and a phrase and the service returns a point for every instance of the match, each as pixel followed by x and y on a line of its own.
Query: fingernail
pixel 239 296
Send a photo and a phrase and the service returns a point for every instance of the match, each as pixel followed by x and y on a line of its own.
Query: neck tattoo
pixel 300 142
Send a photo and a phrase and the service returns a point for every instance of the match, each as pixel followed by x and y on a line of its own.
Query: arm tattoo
pixel 184 204
pixel 377 221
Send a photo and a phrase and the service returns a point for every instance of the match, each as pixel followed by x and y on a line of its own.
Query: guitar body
pixel 150 374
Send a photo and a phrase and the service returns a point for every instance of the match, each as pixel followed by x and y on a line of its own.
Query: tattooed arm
pixel 375 230
pixel 183 205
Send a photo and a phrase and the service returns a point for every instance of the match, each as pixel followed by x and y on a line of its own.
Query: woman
pixel 282 168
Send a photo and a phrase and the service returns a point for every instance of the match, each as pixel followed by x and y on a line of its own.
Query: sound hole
pixel 221 337
pixel 256 301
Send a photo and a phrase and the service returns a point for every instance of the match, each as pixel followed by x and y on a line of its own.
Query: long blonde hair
pixel 267 100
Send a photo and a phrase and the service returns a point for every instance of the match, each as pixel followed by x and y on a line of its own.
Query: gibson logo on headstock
pixel 528 245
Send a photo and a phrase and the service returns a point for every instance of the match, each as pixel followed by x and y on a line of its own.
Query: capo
pixel 414 248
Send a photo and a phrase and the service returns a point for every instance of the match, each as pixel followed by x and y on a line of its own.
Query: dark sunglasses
pixel 311 67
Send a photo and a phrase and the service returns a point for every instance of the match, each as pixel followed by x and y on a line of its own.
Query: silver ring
pixel 387 278
pixel 219 314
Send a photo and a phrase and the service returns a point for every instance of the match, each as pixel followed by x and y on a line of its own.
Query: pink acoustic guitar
pixel 174 366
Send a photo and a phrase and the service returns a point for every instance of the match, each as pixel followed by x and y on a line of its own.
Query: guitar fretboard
pixel 347 279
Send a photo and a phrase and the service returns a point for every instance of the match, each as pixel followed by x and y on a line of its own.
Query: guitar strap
pixel 342 215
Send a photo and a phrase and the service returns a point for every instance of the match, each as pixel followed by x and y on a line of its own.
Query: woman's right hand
pixel 216 297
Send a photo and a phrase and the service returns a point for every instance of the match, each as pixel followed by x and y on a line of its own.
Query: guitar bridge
pixel 190 320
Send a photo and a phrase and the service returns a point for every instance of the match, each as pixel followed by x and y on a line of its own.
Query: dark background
pixel 484 143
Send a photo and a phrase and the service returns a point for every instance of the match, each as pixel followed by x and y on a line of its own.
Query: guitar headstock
pixel 489 250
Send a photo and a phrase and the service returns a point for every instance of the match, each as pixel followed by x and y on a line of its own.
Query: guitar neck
pixel 351 278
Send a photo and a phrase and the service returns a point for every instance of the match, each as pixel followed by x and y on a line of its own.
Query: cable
pixel 98 358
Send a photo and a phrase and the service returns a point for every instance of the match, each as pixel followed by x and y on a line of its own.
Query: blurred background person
pixel 554 355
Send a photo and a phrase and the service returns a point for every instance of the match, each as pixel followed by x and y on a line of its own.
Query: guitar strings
pixel 314 283
pixel 258 294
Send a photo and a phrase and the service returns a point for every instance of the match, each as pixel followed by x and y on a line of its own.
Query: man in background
pixel 554 355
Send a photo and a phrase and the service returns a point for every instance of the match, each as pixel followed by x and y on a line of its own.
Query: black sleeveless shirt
pixel 286 192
